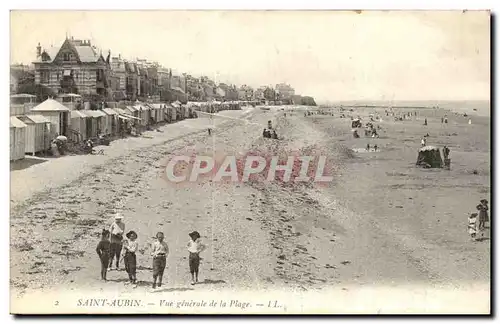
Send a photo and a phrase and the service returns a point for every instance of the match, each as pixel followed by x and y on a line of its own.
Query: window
pixel 44 77
pixel 66 56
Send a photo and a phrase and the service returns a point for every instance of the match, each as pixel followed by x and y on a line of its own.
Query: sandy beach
pixel 381 221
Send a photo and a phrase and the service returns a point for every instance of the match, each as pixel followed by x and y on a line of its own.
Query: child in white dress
pixel 472 226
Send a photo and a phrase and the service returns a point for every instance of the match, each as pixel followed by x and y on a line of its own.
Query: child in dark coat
pixel 103 251
pixel 129 258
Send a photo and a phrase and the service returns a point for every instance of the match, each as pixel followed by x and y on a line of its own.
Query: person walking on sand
pixel 116 229
pixel 103 251
pixel 483 214
pixel 472 226
pixel 129 249
pixel 195 247
pixel 368 147
pixel 160 253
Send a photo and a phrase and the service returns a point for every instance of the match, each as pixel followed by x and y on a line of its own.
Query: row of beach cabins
pixel 34 127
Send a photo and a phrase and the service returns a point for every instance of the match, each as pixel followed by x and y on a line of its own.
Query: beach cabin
pixel 57 114
pixel 157 112
pixel 111 121
pixel 17 139
pixel 21 104
pixel 97 122
pixel 132 111
pixel 79 126
pixel 37 138
pixel 144 113
pixel 169 113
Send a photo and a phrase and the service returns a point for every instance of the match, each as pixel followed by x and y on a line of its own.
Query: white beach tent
pixel 56 113
pixel 37 133
pixel 78 125
pixel 17 139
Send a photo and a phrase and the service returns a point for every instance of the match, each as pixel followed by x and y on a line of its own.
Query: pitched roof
pixel 120 111
pixel 50 105
pixel 37 119
pixel 15 122
pixel 87 54
pixel 93 113
pixel 77 114
pixel 110 111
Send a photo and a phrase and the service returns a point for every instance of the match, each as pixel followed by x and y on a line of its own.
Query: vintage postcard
pixel 250 162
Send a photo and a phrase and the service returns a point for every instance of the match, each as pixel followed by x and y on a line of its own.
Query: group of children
pixel 112 245
pixel 477 221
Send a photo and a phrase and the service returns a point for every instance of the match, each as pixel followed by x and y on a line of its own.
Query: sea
pixel 471 107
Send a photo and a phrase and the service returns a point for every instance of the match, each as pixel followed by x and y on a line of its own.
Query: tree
pixel 269 94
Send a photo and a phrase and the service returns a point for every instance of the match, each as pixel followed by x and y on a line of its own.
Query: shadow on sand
pixel 171 289
pixel 210 281
pixel 25 163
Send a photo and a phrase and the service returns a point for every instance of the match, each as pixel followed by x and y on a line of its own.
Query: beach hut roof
pixel 70 95
pixel 428 148
pixel 93 113
pixel 141 107
pixel 110 111
pixel 132 109
pixel 157 106
pixel 37 119
pixel 23 95
pixel 78 114
pixel 120 111
pixel 15 122
pixel 50 105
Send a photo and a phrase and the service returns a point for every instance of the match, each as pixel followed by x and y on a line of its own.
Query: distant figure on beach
pixel 209 131
pixel 446 152
pixel 446 120
pixel 442 120
pixel 483 213
pixel 423 142
pixel 470 121
pixel 375 147
pixel 425 122
pixel 472 226
pixel 367 147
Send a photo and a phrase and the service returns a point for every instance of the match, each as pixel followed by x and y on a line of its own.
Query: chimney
pixel 38 50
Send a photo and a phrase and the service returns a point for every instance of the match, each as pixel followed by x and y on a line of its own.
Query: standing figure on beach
pixel 423 142
pixel 375 147
pixel 103 251
pixel 368 147
pixel 472 226
pixel 130 260
pixel 160 253
pixel 194 247
pixel 483 213
pixel 425 122
pixel 116 229
pixel 446 152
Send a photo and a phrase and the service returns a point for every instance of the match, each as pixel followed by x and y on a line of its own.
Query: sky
pixel 331 55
